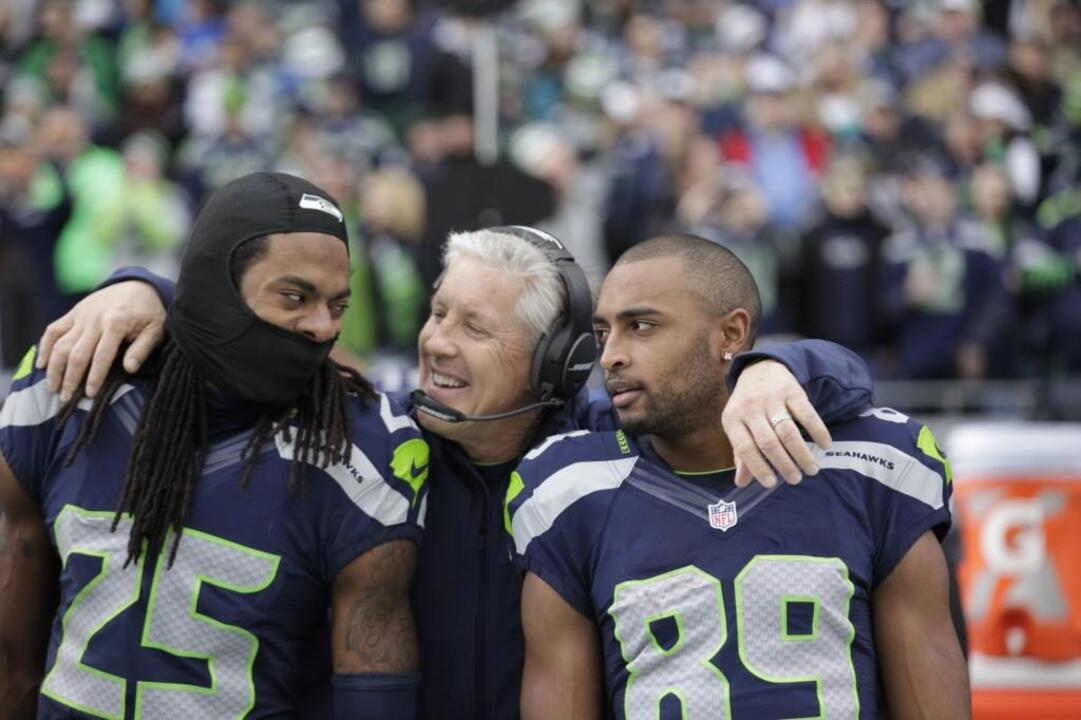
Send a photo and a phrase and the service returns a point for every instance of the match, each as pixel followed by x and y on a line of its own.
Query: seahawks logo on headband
pixel 314 202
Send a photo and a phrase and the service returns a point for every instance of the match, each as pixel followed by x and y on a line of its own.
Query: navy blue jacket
pixel 467 591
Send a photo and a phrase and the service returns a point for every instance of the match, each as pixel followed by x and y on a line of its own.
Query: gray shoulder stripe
pixel 886 414
pixel 220 452
pixel 422 513
pixel 231 454
pixel 393 422
pixel 362 484
pixel 127 412
pixel 36 404
pixel 550 440
pixel 561 490
pixel 886 464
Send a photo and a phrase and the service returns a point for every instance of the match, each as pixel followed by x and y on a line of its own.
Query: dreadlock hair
pixel 170 440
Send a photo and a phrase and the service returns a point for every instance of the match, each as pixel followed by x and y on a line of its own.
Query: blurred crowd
pixel 901 176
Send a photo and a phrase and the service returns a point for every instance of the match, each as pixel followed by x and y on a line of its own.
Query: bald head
pixel 709 269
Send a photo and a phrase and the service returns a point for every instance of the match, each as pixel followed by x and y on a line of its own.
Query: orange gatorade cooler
pixel 1017 500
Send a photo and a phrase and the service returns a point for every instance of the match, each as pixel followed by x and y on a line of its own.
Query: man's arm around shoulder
pixel 28 584
pixel 836 380
pixel 374 639
pixel 923 668
pixel 562 677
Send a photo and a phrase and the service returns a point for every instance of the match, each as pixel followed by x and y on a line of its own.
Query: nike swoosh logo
pixel 414 471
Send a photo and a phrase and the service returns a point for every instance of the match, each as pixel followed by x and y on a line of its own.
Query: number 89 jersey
pixel 757 608
pixel 236 627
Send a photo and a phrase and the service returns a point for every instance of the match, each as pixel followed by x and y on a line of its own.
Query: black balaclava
pixel 236 351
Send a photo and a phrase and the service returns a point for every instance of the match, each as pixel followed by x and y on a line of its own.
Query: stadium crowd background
pixel 902 177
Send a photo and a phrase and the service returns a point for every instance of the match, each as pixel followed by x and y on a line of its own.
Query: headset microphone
pixel 429 405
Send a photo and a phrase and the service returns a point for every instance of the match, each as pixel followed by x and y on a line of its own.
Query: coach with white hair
pixel 504 293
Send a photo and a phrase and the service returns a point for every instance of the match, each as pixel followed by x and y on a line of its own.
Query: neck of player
pixel 704 449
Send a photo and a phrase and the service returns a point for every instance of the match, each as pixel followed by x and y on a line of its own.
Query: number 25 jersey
pixel 236 626
pixel 718 603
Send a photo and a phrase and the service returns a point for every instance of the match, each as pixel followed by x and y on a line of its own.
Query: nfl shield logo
pixel 722 515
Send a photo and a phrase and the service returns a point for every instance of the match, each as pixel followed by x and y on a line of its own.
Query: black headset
pixel 564 356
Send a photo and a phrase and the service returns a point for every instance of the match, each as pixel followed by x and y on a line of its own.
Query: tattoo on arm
pixel 373 622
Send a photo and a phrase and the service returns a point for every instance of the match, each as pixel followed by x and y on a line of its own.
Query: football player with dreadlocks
pixel 171 547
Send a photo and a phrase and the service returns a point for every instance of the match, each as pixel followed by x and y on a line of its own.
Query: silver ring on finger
pixel 779 418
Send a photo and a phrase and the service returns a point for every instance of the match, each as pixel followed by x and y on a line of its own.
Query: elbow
pixel 933 684
pixel 951 659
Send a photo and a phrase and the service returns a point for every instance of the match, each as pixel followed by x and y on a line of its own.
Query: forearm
pixel 928 678
pixel 561 679
pixel 373 628
pixel 921 664
pixel 374 639
pixel 164 287
pixel 26 604
pixel 551 694
pixel 837 381
pixel 380 638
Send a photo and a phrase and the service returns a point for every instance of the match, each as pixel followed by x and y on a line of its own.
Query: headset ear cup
pixel 536 370
pixel 577 364
pixel 562 358
pixel 555 361
pixel 566 363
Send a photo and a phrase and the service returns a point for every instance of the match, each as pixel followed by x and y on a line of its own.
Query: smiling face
pixel 661 349
pixel 300 283
pixel 475 351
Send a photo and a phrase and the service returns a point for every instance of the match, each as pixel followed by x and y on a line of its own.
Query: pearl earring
pixel 727 356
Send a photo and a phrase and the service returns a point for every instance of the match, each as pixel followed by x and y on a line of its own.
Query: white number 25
pixel 172 623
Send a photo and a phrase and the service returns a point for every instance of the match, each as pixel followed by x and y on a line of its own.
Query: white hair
pixel 543 299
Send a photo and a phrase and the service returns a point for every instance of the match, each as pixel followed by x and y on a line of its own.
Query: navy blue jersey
pixel 231 629
pixel 714 602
